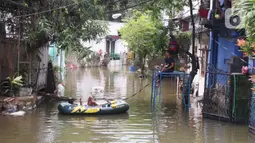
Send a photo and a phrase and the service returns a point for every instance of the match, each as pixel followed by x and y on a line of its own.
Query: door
pixel 107 46
pixel 112 47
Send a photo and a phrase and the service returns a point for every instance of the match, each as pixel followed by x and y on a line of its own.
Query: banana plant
pixel 15 82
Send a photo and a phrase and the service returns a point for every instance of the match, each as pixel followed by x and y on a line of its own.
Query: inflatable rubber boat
pixel 112 107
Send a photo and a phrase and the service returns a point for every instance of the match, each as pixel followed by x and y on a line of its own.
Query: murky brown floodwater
pixel 170 125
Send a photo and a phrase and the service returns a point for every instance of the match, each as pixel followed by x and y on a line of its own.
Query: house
pixel 201 44
pixel 222 39
pixel 111 42
pixel 33 65
pixel 225 61
pixel 57 56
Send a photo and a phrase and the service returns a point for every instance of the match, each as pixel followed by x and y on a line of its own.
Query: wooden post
pixel 30 68
pixel 178 82
pixel 18 46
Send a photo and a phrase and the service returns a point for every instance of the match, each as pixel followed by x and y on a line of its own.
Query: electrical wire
pixel 45 11
pixel 76 3
pixel 115 11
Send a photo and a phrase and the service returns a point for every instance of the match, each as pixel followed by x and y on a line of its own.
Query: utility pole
pixel 193 27
pixel 192 55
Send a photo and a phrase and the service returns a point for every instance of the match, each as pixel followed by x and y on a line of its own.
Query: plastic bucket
pixel 132 68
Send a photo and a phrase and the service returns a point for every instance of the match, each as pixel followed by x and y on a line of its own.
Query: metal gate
pixel 216 103
pixel 181 78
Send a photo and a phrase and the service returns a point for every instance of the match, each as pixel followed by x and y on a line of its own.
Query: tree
pixel 194 62
pixel 245 10
pixel 64 22
pixel 172 8
pixel 141 33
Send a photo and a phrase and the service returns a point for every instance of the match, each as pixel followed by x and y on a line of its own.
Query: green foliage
pixel 143 33
pixel 16 81
pixel 82 53
pixel 158 6
pixel 57 70
pixel 246 9
pixel 154 9
pixel 70 25
pixel 184 40
pixel 64 22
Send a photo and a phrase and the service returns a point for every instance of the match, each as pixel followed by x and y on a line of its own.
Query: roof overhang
pixel 112 37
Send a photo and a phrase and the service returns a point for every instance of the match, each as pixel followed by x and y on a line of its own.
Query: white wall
pixel 186 10
pixel 120 46
pixel 61 63
pixel 199 79
pixel 96 45
pixel 113 28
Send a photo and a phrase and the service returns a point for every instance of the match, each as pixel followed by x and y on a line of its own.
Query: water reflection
pixel 171 124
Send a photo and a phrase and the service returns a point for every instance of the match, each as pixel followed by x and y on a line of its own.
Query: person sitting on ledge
pixel 168 65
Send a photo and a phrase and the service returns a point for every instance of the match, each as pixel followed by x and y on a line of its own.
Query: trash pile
pixel 17 106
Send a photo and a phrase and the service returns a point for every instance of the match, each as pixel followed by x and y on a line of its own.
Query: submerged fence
pixel 252 113
pixel 179 79
pixel 216 94
pixel 226 96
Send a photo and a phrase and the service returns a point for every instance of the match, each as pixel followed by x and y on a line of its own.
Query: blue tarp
pixel 53 52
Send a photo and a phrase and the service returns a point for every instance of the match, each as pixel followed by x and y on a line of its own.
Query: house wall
pixel 28 61
pixel 226 49
pixel 42 67
pixel 198 81
pixel 201 43
pixel 58 59
pixel 221 51
pixel 8 58
pixel 96 45
pixel 202 53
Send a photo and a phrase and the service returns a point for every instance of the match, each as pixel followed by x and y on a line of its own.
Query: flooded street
pixel 169 125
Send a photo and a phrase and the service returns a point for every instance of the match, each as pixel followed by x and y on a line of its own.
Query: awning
pixel 112 37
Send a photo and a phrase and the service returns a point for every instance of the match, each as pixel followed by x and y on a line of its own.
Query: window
pixel 184 25
pixel 203 61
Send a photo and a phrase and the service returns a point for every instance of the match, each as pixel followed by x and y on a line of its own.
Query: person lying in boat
pixel 91 101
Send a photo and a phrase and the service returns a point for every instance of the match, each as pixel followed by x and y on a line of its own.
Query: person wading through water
pixel 168 65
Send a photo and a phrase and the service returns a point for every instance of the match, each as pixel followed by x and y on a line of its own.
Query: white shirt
pixel 61 90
